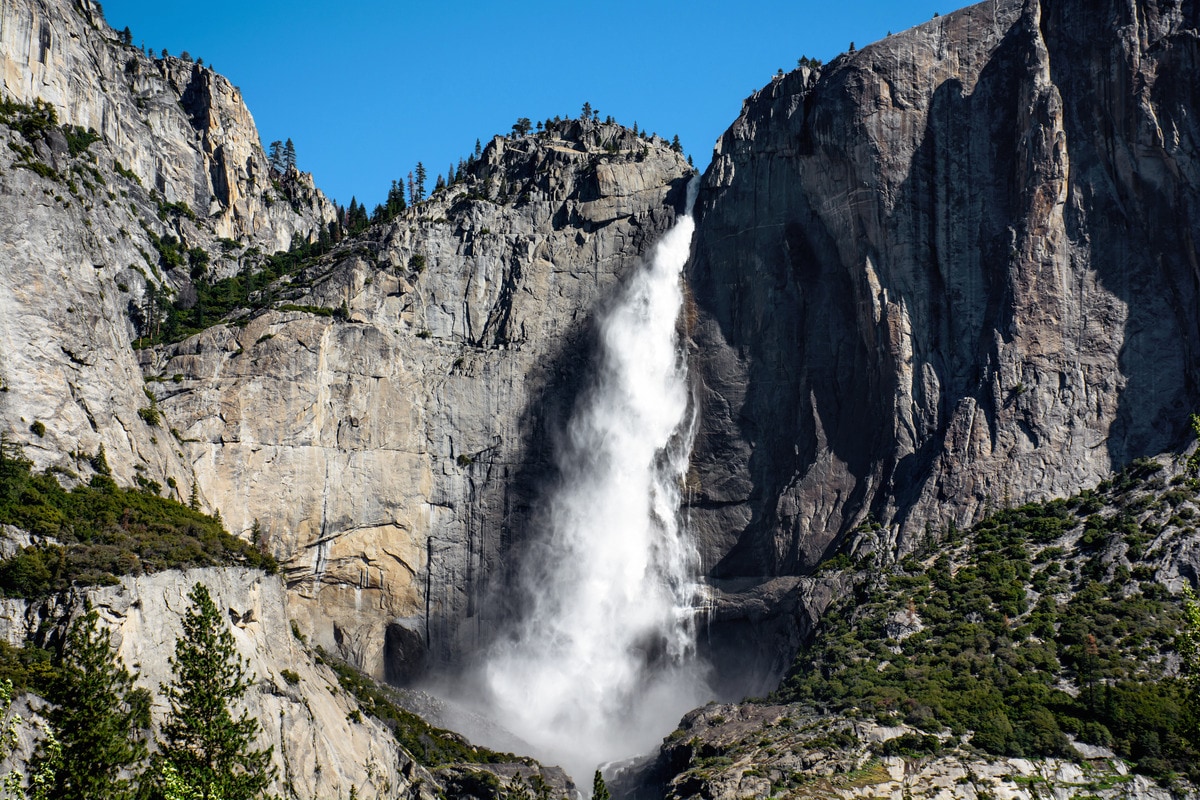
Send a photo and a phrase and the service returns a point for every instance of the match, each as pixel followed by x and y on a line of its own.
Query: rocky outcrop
pixel 726 752
pixel 179 126
pixel 391 453
pixel 173 156
pixel 324 744
pixel 955 268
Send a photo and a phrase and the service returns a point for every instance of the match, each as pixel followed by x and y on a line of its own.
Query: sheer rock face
pixel 953 269
pixel 182 128
pixel 178 156
pixel 392 458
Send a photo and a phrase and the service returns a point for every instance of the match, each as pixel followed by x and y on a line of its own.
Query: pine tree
pixel 206 747
pixel 289 155
pixel 599 789
pixel 675 144
pixel 97 716
pixel 478 149
pixel 586 113
pixel 395 200
pixel 275 157
pixel 420 183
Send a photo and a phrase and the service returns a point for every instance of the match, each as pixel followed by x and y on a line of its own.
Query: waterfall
pixel 602 663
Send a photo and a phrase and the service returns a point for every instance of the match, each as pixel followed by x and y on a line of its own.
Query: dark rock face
pixel 956 268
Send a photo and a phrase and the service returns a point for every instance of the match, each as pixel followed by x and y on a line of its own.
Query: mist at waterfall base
pixel 602 662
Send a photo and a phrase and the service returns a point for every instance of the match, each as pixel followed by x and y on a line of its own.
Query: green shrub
pixel 215 300
pixel 126 173
pixel 78 139
pixel 103 531
pixel 992 662
pixel 431 746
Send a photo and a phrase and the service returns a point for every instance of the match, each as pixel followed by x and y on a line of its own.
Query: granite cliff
pixel 391 453
pixel 954 269
pixel 388 453
pixel 325 741
pixel 120 175
pixel 177 125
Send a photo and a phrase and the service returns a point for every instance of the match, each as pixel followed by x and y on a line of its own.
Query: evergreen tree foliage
pixel 586 113
pixel 420 182
pixel 275 157
pixel 675 144
pixel 356 218
pixel 599 789
pixel 289 155
pixel 206 747
pixel 395 199
pixel 97 717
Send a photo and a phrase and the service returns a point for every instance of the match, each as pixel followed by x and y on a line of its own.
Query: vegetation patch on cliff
pixel 95 533
pixel 432 746
pixel 255 288
pixel 1041 625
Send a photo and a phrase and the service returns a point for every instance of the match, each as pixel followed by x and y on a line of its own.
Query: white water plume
pixel 603 664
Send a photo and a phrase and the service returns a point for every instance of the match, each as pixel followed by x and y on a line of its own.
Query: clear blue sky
pixel 366 89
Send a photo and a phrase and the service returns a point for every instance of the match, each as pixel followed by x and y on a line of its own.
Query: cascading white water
pixel 603 663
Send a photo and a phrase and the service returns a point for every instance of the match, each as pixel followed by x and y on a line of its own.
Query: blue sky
pixel 367 89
